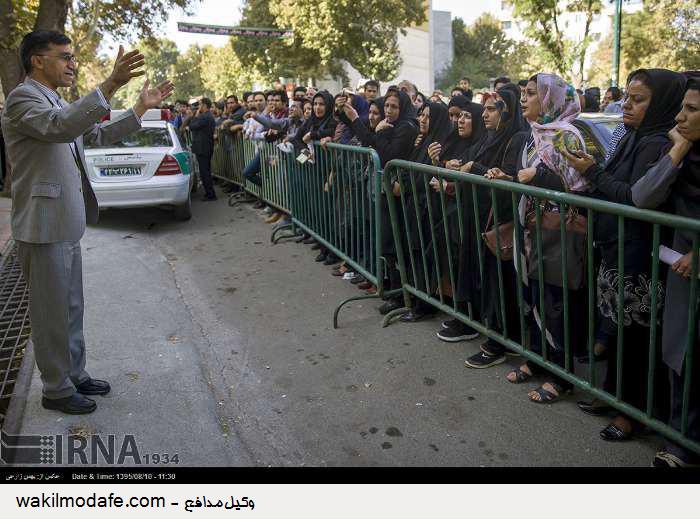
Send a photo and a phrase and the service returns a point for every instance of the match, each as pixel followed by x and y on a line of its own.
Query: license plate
pixel 126 171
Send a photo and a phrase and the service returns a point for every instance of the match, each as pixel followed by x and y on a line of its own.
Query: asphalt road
pixel 220 348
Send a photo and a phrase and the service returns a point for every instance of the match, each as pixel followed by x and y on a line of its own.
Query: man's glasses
pixel 63 56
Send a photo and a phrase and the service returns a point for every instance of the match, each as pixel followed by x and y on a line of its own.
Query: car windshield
pixel 143 138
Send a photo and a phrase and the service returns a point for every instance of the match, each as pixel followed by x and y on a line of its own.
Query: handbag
pixel 503 235
pixel 576 229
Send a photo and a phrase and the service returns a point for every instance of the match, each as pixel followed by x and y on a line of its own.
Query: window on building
pixel 506 25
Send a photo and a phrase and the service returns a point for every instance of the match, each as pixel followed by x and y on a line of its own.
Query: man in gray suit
pixel 52 200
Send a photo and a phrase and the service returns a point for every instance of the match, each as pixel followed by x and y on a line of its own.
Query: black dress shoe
pixel 612 433
pixel 331 259
pixel 316 246
pixel 309 240
pixel 594 409
pixel 74 404
pixel 321 257
pixel 92 386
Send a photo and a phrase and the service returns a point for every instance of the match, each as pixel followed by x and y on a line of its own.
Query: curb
pixel 18 400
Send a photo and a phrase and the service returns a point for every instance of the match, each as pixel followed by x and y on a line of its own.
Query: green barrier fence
pixel 337 199
pixel 552 236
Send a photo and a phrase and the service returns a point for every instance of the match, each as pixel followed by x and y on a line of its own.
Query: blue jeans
pixel 252 170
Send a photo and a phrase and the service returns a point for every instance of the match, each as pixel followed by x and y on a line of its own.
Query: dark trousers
pixel 204 161
pixel 252 170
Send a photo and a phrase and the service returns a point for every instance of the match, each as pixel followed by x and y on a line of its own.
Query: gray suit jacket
pixel 51 197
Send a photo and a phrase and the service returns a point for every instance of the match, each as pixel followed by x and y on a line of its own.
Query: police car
pixel 150 167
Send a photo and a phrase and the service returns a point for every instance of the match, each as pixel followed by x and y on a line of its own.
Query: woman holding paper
pixel 676 177
pixel 653 100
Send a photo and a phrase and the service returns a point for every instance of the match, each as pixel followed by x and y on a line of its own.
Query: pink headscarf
pixel 553 129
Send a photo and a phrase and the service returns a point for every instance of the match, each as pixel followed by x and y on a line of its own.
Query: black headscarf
pixel 407 112
pixel 667 91
pixel 457 147
pixel 687 187
pixel 314 123
pixel 439 129
pixel 494 145
pixel 638 150
pixel 379 103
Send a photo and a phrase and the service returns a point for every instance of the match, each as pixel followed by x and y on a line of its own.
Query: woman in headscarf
pixel 459 149
pixel 434 127
pixel 676 177
pixel 321 124
pixel 653 100
pixel 500 151
pixel 550 105
pixel 419 101
pixel 393 138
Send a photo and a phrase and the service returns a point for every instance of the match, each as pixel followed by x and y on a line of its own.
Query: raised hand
pixel 126 67
pixel 153 97
pixel 350 112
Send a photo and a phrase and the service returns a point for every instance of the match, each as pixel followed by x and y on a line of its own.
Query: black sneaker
pixel 450 324
pixel 483 360
pixel 458 333
pixel 495 349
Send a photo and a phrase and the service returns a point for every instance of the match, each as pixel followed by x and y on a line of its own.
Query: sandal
pixel 665 459
pixel 520 375
pixel 547 397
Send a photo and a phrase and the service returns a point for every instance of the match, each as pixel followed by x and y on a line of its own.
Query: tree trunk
pixel 10 68
pixel 52 15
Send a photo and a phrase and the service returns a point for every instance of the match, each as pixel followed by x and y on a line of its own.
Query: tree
pixel 90 20
pixel 483 51
pixel 364 33
pixel 271 58
pixel 544 27
pixel 222 72
pixel 646 40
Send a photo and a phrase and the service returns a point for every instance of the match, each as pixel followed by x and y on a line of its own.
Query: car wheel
pixel 184 212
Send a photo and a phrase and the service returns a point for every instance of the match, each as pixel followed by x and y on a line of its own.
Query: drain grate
pixel 14 323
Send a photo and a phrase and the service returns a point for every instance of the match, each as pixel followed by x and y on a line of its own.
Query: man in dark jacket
pixel 202 126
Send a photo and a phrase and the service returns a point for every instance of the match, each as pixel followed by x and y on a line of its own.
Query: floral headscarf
pixel 553 130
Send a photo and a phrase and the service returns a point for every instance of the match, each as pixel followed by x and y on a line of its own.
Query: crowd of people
pixel 522 132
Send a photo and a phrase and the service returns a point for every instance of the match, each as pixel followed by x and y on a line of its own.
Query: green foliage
pixel 665 33
pixel 200 71
pixel 222 72
pixel 363 33
pixel 272 58
pixel 544 27
pixel 483 51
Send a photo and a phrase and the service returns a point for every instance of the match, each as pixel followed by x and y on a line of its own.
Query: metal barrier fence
pixel 337 199
pixel 552 240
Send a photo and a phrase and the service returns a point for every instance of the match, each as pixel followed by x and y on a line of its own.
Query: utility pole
pixel 617 34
